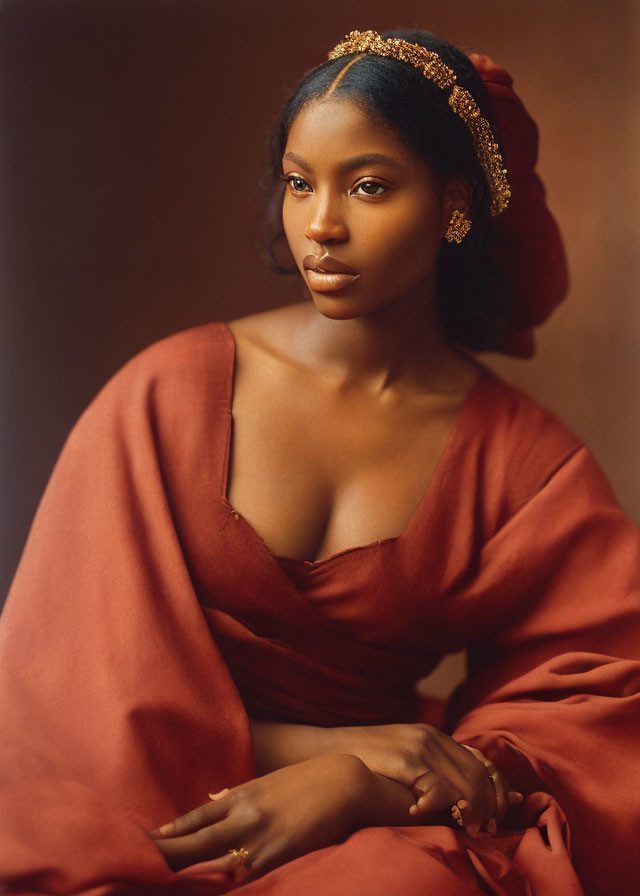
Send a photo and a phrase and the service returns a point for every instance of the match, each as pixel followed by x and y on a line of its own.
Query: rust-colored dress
pixel 148 620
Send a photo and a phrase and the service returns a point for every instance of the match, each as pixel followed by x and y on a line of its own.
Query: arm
pixel 285 814
pixel 418 756
pixel 553 692
pixel 278 744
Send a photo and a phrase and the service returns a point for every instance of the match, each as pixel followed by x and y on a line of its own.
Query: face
pixel 362 209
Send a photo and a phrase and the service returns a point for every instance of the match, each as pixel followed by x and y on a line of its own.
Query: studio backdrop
pixel 133 137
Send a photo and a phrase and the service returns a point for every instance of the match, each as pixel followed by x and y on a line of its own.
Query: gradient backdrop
pixel 132 139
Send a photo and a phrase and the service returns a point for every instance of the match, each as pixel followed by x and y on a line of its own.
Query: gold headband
pixel 460 100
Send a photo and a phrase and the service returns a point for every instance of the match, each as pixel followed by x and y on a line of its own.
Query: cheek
pixel 292 220
pixel 409 245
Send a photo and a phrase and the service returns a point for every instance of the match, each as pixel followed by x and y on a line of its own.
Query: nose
pixel 326 222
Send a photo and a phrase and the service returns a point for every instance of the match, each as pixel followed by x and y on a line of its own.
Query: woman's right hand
pixel 260 824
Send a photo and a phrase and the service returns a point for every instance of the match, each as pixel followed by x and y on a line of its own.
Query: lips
pixel 327 265
pixel 327 274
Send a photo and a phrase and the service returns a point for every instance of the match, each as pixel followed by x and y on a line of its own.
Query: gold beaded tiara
pixel 460 100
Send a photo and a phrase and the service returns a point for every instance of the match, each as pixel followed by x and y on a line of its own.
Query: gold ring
pixel 242 852
pixel 457 815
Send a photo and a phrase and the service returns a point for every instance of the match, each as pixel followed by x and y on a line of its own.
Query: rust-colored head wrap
pixel 526 241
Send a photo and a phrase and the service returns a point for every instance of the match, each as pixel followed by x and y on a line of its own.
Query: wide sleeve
pixel 117 710
pixel 553 691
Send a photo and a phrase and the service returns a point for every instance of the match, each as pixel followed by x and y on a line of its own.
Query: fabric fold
pixel 146 625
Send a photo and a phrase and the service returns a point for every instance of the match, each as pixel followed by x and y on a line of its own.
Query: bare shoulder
pixel 271 332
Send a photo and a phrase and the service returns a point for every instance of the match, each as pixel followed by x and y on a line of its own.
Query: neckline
pixel 454 436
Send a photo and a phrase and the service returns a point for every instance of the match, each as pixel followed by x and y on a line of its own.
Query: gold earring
pixel 459 227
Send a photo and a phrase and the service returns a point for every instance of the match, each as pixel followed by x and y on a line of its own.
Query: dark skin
pixel 342 407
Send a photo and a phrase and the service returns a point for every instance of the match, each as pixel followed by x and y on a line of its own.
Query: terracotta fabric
pixel 147 619
pixel 525 242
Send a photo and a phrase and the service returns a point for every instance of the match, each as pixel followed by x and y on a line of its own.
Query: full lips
pixel 320 281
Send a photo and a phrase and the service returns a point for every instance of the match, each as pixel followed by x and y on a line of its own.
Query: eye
pixel 296 183
pixel 371 187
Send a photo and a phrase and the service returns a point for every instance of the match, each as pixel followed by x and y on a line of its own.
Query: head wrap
pixel 525 239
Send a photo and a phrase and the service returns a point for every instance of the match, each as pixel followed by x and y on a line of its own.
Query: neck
pixel 400 344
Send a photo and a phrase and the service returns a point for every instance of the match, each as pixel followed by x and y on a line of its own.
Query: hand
pixel 440 771
pixel 457 773
pixel 505 797
pixel 400 751
pixel 275 818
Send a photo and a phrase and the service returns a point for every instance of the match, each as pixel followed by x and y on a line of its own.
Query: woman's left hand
pixel 454 768
pixel 274 819
pixel 440 771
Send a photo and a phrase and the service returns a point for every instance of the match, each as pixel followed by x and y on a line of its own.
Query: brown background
pixel 132 137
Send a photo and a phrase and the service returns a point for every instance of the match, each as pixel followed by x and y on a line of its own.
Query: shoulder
pixel 202 351
pixel 181 369
pixel 176 379
pixel 155 424
pixel 521 442
pixel 522 420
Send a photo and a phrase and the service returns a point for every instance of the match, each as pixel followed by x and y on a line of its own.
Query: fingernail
pixel 413 810
pixel 515 798
pixel 492 826
pixel 166 829
pixel 216 796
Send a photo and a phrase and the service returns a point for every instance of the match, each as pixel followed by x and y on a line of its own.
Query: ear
pixel 457 194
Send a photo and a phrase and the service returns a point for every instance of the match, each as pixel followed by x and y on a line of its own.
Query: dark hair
pixel 474 305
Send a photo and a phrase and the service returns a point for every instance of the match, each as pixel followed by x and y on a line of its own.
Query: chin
pixel 335 311
pixel 337 307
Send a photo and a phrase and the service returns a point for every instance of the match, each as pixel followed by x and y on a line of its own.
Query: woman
pixel 245 613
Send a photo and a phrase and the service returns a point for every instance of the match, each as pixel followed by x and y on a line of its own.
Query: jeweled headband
pixel 460 100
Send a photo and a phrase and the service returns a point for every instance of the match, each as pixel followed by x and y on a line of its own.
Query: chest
pixel 316 469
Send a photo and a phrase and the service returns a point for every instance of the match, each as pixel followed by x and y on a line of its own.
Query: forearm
pixel 369 799
pixel 386 802
pixel 380 800
pixel 278 744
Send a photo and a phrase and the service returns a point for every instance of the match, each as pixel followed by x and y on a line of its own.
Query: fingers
pixel 236 862
pixel 515 798
pixel 475 794
pixel 193 820
pixel 504 796
pixel 440 805
pixel 201 845
pixel 434 795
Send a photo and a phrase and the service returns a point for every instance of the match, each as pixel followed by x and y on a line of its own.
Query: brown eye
pixel 371 188
pixel 297 183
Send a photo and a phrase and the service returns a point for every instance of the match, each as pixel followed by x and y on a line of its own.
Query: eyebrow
pixel 369 158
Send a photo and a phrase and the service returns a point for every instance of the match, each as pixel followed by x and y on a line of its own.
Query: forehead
pixel 337 126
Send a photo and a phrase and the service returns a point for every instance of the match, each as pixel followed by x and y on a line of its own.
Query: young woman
pixel 262 534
